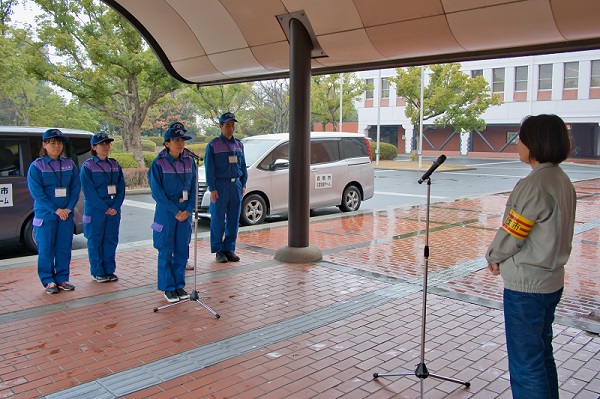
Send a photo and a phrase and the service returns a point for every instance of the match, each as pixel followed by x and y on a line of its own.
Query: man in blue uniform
pixel 53 182
pixel 103 186
pixel 226 177
pixel 173 181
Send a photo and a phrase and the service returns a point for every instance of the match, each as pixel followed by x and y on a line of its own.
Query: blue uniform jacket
pixel 44 176
pixel 96 175
pixel 216 161
pixel 168 178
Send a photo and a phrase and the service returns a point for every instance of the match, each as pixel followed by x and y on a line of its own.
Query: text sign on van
pixel 323 181
pixel 6 195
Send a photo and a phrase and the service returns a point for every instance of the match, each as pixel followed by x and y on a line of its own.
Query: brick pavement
pixel 300 330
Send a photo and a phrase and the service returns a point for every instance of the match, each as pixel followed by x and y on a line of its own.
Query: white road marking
pixel 139 204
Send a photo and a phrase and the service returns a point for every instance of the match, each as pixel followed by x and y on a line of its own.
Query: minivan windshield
pixel 255 148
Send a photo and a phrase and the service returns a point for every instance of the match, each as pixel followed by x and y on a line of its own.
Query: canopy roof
pixel 225 41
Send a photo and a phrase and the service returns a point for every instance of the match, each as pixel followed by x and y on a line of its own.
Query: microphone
pixel 191 154
pixel 435 165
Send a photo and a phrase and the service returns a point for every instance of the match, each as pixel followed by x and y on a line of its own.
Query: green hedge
pixel 125 160
pixel 156 140
pixel 387 152
pixel 147 145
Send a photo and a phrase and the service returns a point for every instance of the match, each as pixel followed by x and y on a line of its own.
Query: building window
pixel 545 81
pixel 521 78
pixel 595 74
pixel 498 84
pixel 571 75
pixel 476 72
pixel 369 92
pixel 385 88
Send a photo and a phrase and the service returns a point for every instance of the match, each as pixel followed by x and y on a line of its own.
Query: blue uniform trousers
pixel 172 243
pixel 102 233
pixel 528 321
pixel 225 215
pixel 54 240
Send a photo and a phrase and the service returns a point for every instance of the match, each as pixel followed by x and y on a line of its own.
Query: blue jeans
pixel 528 321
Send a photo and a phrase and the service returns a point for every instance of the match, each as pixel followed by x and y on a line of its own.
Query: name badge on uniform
pixel 112 189
pixel 185 195
pixel 60 192
pixel 233 159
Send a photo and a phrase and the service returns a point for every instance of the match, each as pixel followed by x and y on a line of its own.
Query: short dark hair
pixel 546 137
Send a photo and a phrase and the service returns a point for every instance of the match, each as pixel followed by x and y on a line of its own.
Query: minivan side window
pixel 77 148
pixel 324 151
pixel 354 147
pixel 281 152
pixel 11 154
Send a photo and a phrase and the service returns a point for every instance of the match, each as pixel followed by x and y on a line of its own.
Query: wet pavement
pixel 314 330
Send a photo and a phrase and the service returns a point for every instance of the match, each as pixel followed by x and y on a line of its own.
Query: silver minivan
pixel 341 174
pixel 19 146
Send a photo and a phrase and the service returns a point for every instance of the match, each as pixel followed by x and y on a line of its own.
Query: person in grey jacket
pixel 530 251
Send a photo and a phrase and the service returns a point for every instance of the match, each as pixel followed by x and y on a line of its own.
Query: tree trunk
pixel 132 141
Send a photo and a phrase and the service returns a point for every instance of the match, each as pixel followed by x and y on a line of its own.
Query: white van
pixel 341 174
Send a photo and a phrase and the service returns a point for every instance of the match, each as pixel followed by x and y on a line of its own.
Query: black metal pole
pixel 299 212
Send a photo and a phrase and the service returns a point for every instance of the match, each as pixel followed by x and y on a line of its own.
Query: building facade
pixel 565 84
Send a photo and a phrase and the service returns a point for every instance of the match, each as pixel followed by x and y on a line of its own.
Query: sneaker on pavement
pixel 102 279
pixel 112 277
pixel 232 257
pixel 181 293
pixel 221 257
pixel 51 288
pixel 171 296
pixel 189 266
pixel 65 285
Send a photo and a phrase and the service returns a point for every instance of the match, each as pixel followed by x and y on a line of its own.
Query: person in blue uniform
pixel 226 177
pixel 103 187
pixel 53 182
pixel 173 181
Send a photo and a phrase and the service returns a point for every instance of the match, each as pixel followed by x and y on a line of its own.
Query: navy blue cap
pixel 51 133
pixel 226 117
pixel 99 138
pixel 176 130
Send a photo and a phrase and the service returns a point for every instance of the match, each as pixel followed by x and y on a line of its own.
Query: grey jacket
pixel 534 242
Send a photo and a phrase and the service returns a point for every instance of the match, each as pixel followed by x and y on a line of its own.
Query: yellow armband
pixel 516 225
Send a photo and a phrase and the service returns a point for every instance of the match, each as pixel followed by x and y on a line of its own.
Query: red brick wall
pixel 496 136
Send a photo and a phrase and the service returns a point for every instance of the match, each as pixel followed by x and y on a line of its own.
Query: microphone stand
pixel 421 371
pixel 194 294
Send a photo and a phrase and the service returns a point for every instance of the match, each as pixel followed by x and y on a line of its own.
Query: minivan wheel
pixel 254 210
pixel 28 238
pixel 350 199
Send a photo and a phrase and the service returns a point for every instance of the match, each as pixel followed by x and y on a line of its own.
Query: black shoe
pixel 112 277
pixel 171 296
pixel 51 288
pixel 221 257
pixel 232 257
pixel 65 285
pixel 102 279
pixel 181 293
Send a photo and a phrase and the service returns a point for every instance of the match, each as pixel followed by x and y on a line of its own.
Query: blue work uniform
pixel 53 184
pixel 169 178
pixel 226 172
pixel 103 187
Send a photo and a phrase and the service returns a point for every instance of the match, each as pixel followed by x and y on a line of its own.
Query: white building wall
pixel 582 110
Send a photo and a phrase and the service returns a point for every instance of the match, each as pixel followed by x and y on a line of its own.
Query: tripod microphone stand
pixel 194 294
pixel 421 371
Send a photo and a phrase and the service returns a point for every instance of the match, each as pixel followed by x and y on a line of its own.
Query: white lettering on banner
pixel 6 195
pixel 324 181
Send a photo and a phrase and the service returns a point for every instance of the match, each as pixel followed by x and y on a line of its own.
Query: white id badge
pixel 60 192
pixel 184 195
pixel 112 189
pixel 233 159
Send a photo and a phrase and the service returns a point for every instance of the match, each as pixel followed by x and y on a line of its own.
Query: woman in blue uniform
pixel 173 182
pixel 53 182
pixel 103 187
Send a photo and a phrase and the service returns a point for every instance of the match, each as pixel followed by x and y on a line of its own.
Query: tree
pixel 6 10
pixel 451 98
pixel 269 107
pixel 211 101
pixel 103 61
pixel 325 97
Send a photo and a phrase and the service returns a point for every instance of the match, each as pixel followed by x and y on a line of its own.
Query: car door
pixel 328 174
